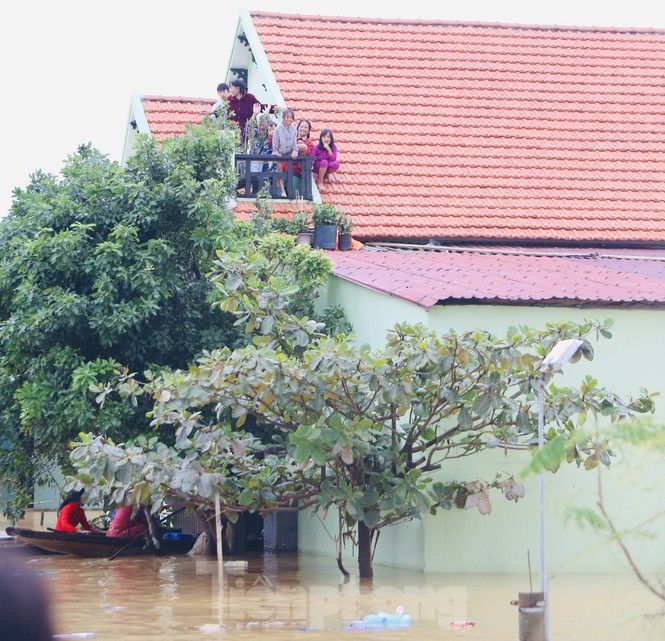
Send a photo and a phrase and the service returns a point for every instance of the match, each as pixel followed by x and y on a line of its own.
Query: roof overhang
pixel 503 275
pixel 137 123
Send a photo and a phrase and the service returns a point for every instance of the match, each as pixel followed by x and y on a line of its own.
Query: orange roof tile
pixel 280 208
pixel 167 116
pixel 477 131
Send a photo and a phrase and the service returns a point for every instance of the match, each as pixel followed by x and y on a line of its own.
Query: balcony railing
pixel 257 170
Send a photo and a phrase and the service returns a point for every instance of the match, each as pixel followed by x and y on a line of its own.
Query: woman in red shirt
pixel 71 514
pixel 305 144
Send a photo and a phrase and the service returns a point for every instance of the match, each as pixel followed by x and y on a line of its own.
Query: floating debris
pixel 458 625
pixel 211 628
pixel 236 565
pixel 382 620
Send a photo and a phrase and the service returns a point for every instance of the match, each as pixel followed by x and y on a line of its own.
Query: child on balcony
pixel 223 97
pixel 325 158
pixel 285 142
pixel 258 141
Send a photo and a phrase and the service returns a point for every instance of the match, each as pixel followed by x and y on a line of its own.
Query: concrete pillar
pixel 280 532
pixel 531 616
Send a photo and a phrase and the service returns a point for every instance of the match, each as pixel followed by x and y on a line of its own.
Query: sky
pixel 69 68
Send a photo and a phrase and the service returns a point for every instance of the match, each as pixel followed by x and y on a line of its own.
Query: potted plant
pixel 300 225
pixel 282 225
pixel 325 217
pixel 345 227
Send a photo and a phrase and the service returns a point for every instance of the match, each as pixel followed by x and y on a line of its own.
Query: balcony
pixel 258 170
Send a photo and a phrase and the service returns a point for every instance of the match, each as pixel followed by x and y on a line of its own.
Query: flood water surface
pixel 291 596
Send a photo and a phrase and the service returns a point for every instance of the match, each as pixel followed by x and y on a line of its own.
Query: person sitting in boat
pixel 123 524
pixel 71 514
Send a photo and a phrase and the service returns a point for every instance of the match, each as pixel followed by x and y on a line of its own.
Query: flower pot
pixel 305 237
pixel 344 242
pixel 325 236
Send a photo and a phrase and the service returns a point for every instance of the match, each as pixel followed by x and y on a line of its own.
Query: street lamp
pixel 559 355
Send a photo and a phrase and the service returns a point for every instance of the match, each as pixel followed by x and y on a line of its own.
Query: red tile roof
pixel 469 131
pixel 509 276
pixel 280 208
pixel 167 116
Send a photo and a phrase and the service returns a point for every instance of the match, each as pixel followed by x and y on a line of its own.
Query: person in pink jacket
pixel 325 158
pixel 122 523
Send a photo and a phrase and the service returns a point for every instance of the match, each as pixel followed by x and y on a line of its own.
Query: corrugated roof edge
pixel 420 241
pixel 452 23
pixel 428 301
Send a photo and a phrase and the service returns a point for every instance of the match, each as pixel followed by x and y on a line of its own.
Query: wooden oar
pixel 138 536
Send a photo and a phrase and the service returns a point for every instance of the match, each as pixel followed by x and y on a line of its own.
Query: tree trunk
pixel 365 536
pixel 152 528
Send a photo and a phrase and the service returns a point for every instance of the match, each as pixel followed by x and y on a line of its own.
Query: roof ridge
pixel 178 98
pixel 458 23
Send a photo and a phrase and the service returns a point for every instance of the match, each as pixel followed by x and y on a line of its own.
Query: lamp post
pixel 559 355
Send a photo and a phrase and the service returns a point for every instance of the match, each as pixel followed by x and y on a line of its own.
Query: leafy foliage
pixel 102 268
pixel 326 214
pixel 636 439
pixel 352 428
pixel 272 283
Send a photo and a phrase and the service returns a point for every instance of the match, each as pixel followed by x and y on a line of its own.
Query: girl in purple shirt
pixel 325 158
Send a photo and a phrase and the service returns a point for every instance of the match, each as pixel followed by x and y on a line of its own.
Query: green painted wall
pixel 371 313
pixel 466 541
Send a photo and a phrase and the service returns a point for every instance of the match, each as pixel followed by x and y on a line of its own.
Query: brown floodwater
pixel 291 596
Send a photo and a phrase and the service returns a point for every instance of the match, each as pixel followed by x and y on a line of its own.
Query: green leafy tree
pixel 637 443
pixel 100 268
pixel 353 429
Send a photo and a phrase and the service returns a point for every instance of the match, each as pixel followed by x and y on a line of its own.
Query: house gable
pixel 514 136
pixel 472 132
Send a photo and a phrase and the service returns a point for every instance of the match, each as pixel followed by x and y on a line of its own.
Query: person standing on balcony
pixel 241 105
pixel 223 96
pixel 305 143
pixel 305 148
pixel 258 141
pixel 325 158
pixel 285 142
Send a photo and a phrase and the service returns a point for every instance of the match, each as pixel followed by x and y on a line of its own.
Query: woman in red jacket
pixel 71 514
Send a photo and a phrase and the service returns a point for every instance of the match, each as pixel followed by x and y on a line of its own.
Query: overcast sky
pixel 70 67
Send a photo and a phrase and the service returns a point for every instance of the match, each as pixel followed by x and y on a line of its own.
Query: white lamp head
pixel 560 354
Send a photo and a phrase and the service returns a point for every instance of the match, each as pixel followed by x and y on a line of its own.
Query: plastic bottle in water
pixel 238 565
pixel 397 621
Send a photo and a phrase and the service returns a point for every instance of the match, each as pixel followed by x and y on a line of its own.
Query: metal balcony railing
pixel 256 170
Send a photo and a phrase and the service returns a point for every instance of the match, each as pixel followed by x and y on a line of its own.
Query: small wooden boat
pixel 98 545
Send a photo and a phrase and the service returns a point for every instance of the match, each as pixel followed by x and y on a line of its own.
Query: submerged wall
pixel 463 541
